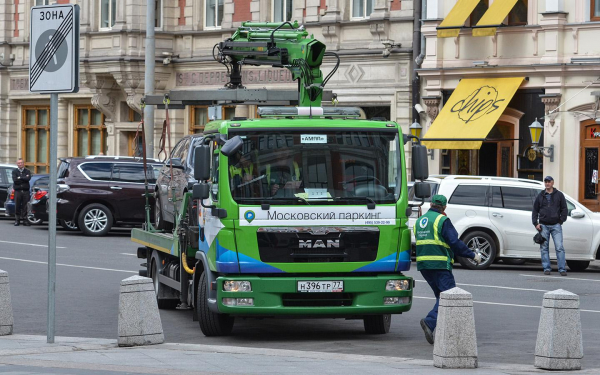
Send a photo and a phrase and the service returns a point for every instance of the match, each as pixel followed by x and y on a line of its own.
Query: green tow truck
pixel 301 213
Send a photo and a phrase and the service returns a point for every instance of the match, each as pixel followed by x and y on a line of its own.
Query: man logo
pixel 308 244
pixel 423 222
pixel 249 216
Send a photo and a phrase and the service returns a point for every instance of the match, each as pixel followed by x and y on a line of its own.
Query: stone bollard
pixel 455 340
pixel 139 320
pixel 559 343
pixel 6 313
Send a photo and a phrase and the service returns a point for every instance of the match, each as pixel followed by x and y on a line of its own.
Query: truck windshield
pixel 320 167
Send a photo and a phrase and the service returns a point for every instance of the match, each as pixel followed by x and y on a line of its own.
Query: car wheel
pixel 485 244
pixel 578 265
pixel 163 303
pixel 377 324
pixel 159 221
pixel 33 221
pixel 68 225
pixel 211 324
pixel 95 220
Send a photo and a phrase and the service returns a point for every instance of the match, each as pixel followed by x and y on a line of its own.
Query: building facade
pixel 104 115
pixel 551 46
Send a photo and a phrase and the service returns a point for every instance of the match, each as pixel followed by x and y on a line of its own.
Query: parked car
pixel 169 190
pixel 98 192
pixel 493 214
pixel 5 183
pixel 9 205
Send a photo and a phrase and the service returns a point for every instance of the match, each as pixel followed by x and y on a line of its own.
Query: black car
pixel 5 183
pixel 169 190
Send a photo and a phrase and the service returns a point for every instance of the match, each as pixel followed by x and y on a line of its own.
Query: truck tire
pixel 163 303
pixel 211 324
pixel 95 220
pixel 378 324
pixel 578 265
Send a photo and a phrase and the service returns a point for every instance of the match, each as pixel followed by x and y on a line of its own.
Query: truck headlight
pixel 395 285
pixel 237 286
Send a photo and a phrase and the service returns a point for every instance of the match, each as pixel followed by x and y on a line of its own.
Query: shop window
pixel 362 8
pixel 36 138
pixel 108 12
pixel 214 13
pixel 595 10
pixel 90 131
pixel 445 161
pixel 518 14
pixel 478 12
pixel 282 10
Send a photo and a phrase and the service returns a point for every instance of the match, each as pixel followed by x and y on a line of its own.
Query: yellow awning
pixel 494 17
pixel 471 112
pixel 450 26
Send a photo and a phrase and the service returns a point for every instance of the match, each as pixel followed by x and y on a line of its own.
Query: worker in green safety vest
pixel 437 243
pixel 245 181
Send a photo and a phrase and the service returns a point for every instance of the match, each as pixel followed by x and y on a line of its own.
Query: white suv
pixel 493 214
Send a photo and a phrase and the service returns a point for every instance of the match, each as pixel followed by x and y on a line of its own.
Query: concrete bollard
pixel 139 320
pixel 455 340
pixel 559 343
pixel 6 312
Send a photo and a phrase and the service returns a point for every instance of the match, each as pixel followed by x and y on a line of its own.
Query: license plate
pixel 320 286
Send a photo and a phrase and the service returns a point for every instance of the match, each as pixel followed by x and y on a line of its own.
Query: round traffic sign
pixel 59 57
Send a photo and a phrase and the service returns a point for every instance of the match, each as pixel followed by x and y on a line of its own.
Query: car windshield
pixel 317 167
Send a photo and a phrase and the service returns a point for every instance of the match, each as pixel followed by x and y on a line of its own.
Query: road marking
pixel 30 244
pixel 133 255
pixel 506 304
pixel 69 265
pixel 561 277
pixel 495 286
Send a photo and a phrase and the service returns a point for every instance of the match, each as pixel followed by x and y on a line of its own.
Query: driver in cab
pixel 244 177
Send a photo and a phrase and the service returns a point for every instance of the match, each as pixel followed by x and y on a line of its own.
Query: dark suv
pixel 101 191
pixel 169 190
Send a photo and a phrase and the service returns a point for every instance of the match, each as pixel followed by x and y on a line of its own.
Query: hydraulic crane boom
pixel 280 45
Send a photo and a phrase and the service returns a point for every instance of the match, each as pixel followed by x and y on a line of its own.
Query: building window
pixel 199 119
pixel 108 12
pixel 282 10
pixel 36 138
pixel 362 8
pixel 214 13
pixel 42 2
pixel 90 132
pixel 158 19
pixel 595 10
pixel 518 14
pixel 478 12
pixel 134 116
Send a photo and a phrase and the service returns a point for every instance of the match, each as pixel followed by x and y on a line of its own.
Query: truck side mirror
pixel 200 191
pixel 202 163
pixel 422 190
pixel 420 169
pixel 232 146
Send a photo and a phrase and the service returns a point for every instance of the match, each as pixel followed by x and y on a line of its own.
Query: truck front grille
pixel 317 299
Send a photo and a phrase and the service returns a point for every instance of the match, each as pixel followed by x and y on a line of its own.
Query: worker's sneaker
pixel 428 333
pixel 563 273
pixel 546 272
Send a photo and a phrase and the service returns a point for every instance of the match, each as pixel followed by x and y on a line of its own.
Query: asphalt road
pixel 507 303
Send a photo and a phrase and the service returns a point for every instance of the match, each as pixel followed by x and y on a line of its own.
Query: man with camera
pixel 549 213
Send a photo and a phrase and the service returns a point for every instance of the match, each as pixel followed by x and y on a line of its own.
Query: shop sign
pixel 220 77
pixel 594 133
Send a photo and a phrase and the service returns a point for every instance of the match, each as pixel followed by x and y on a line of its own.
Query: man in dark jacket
pixel 549 212
pixel 437 243
pixel 21 177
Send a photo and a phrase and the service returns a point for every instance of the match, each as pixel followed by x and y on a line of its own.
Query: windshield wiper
pixel 266 206
pixel 370 205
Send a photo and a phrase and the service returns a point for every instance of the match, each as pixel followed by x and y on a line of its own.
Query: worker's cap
pixel 548 178
pixel 439 200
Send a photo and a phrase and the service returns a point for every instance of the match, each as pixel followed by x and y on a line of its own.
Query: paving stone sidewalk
pixel 23 355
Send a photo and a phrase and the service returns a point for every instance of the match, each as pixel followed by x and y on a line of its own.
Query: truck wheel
pixel 378 324
pixel 578 265
pixel 163 303
pixel 95 220
pixel 487 247
pixel 211 324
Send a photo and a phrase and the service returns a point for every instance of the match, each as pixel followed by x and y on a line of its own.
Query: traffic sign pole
pixel 52 218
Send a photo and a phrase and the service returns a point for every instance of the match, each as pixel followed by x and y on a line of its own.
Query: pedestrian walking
pixel 437 244
pixel 21 177
pixel 549 213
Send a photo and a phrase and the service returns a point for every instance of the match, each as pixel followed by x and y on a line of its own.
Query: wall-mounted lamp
pixel 480 63
pixel 535 130
pixel 11 59
pixel 388 44
pixel 415 130
pixel 169 56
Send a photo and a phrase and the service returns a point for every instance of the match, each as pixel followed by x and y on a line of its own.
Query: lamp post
pixel 535 130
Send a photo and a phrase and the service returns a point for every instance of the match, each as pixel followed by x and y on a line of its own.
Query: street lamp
pixel 535 130
pixel 415 130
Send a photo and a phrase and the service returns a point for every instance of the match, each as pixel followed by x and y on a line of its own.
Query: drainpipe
pixel 418 54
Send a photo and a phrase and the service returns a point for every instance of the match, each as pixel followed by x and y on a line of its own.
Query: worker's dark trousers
pixel 439 281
